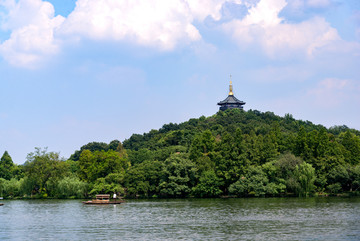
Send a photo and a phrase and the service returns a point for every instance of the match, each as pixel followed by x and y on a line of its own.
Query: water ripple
pixel 188 219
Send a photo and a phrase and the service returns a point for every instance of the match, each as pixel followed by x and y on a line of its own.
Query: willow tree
pixel 305 175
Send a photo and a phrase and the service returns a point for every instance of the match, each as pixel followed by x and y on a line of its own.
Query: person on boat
pixel 114 196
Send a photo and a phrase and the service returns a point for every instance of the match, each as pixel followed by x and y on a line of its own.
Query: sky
pixel 78 71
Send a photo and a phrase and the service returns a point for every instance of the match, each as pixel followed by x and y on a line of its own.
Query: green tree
pixel 141 155
pixel 269 148
pixel 334 188
pixel 115 145
pixel 286 164
pixel 230 158
pixel 305 175
pixel 71 187
pixel 253 144
pixel 93 146
pixel 253 183
pixel 11 188
pixel 277 183
pixel 301 145
pixel 28 187
pixel 352 146
pixel 43 169
pixel 322 145
pixel 355 178
pixel 136 182
pixel 2 186
pixel 204 163
pixel 101 163
pixel 340 174
pixel 202 145
pixel 7 166
pixel 144 179
pixel 112 183
pixel 179 176
pixel 209 185
pixel 256 183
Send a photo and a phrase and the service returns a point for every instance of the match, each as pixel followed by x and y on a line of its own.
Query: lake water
pixel 187 219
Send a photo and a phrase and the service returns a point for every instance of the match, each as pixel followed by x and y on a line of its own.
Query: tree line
pixel 232 153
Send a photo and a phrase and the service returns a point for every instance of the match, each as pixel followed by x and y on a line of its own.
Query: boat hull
pixel 102 203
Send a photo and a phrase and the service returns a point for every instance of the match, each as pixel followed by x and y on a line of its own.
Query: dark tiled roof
pixel 231 100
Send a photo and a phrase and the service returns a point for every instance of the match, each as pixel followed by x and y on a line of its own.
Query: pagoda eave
pixel 231 102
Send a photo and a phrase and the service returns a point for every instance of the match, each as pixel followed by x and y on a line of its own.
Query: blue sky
pixel 73 72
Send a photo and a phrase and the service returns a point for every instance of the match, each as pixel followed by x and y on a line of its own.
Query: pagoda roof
pixel 231 99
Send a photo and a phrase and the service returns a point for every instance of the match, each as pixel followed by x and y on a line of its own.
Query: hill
pixel 240 147
pixel 234 152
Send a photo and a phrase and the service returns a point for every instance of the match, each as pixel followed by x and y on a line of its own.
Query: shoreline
pixel 316 195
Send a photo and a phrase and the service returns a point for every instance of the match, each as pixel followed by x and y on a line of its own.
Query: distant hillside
pixel 250 122
pixel 234 152
pixel 237 144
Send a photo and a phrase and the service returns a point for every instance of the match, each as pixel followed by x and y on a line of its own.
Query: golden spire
pixel 231 87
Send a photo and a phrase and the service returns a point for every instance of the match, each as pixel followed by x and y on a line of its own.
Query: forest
pixel 233 153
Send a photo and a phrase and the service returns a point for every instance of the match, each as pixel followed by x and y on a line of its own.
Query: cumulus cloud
pixel 161 24
pixel 201 9
pixel 263 26
pixel 32 24
pixel 36 33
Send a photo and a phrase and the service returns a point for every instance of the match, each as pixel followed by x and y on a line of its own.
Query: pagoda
pixel 231 102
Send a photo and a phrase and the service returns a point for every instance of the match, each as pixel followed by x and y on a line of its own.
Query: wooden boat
pixel 1 204
pixel 102 199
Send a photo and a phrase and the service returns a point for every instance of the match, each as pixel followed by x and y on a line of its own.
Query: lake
pixel 187 219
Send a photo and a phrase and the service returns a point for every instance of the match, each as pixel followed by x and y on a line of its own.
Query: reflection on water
pixel 194 219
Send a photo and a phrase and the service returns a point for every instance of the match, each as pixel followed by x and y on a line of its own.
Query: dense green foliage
pixel 235 152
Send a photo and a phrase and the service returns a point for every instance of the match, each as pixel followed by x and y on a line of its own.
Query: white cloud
pixel 36 33
pixel 163 24
pixel 160 24
pixel 263 26
pixel 33 24
pixel 201 9
pixel 265 13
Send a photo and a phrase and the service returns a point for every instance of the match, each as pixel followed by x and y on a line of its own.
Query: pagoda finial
pixel 231 87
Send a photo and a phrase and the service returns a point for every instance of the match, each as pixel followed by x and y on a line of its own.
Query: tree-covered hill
pixel 234 152
pixel 237 146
